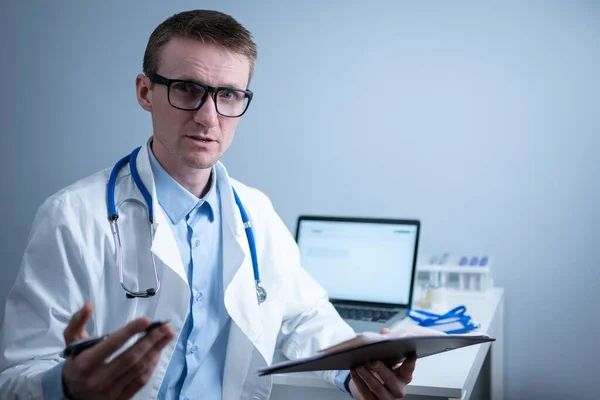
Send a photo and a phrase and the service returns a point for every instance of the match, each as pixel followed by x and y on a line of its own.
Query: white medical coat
pixel 70 259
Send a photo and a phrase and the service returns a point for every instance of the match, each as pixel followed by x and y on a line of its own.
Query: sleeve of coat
pixel 51 285
pixel 311 323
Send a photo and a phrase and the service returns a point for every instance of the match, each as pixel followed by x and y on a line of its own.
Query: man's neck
pixel 195 181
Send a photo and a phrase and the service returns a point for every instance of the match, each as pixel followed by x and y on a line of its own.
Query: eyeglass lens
pixel 188 96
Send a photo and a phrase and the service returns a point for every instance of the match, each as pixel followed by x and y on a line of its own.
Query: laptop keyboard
pixel 365 314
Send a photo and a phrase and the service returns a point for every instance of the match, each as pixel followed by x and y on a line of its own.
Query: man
pixel 197 69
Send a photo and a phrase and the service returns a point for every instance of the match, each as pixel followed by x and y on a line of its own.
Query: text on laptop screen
pixel 360 261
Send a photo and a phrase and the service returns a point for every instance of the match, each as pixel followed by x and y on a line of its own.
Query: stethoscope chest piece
pixel 261 293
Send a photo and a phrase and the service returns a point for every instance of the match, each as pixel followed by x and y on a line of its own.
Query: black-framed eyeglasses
pixel 190 96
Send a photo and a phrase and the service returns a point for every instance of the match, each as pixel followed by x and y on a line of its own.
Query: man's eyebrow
pixel 188 78
pixel 194 80
pixel 232 86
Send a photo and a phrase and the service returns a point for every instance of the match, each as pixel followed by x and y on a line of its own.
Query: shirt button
pixel 199 296
pixel 197 243
pixel 194 349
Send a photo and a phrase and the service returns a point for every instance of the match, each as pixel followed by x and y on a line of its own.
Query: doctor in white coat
pixel 69 286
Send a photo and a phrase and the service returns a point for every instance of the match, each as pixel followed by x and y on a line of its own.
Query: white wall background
pixel 479 118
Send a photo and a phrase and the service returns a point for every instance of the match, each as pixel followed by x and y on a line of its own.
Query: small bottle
pixel 439 298
pixel 437 290
pixel 425 300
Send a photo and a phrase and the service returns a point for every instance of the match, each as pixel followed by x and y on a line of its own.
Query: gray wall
pixel 481 119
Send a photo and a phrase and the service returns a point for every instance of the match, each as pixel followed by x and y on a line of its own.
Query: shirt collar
pixel 177 201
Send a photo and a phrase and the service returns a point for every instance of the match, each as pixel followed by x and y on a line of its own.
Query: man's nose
pixel 207 114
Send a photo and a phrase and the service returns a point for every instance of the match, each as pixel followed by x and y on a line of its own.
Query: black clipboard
pixel 390 350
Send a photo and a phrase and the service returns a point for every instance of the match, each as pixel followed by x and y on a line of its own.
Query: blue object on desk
pixel 474 261
pixel 454 321
pixel 484 261
pixel 463 261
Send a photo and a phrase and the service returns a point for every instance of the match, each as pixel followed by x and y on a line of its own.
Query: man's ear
pixel 143 92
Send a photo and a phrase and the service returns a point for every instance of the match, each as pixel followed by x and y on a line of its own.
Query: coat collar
pixel 176 201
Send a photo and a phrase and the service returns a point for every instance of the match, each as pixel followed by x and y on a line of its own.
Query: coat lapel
pixel 240 295
pixel 238 276
pixel 245 351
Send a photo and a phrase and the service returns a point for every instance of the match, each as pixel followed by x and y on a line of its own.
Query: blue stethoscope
pixel 261 293
pixel 454 321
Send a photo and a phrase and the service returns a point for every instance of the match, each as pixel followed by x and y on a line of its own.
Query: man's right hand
pixel 90 376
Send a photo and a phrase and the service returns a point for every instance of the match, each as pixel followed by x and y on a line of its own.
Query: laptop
pixel 366 265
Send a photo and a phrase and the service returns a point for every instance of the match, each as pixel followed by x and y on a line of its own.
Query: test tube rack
pixel 456 275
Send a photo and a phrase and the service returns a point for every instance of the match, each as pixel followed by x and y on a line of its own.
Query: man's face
pixel 192 139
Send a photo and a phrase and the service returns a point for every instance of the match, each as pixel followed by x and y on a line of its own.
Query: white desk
pixel 451 375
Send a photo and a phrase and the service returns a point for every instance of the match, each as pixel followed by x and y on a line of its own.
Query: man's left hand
pixel 377 381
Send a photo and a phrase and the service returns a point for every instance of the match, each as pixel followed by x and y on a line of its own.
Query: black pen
pixel 78 346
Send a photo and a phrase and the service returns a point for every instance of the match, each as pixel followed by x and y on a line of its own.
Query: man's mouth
pixel 199 139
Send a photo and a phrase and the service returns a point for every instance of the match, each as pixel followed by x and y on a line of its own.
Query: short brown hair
pixel 206 26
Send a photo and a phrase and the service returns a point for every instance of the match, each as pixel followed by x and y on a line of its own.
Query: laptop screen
pixel 360 260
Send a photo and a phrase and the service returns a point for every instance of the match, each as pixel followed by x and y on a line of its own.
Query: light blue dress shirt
pixel 196 367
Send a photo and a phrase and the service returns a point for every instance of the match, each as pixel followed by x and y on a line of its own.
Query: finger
pixel 385 331
pixel 391 381
pixel 95 357
pixel 132 384
pixel 132 362
pixel 75 329
pixel 137 383
pixel 361 386
pixel 374 385
pixel 406 359
pixel 405 372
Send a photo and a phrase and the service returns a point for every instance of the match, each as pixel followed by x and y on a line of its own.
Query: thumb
pixel 384 331
pixel 75 329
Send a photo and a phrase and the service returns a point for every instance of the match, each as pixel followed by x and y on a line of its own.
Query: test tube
pixel 473 277
pixel 443 275
pixel 473 282
pixel 461 276
pixel 483 278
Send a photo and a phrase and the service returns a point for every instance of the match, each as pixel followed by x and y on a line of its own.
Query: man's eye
pixel 227 94
pixel 188 88
pixel 231 95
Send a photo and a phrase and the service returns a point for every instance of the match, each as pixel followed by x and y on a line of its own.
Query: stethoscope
pixel 454 321
pixel 113 216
